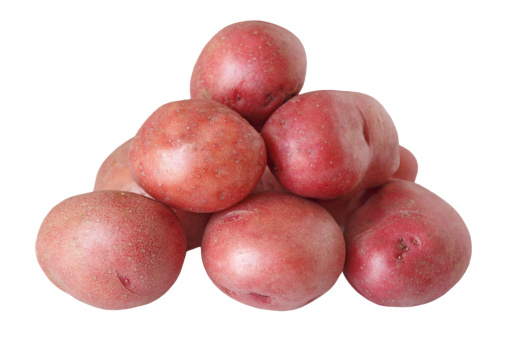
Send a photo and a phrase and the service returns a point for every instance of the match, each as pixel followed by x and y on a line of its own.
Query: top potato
pixel 252 67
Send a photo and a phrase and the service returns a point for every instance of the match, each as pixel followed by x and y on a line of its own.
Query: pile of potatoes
pixel 282 191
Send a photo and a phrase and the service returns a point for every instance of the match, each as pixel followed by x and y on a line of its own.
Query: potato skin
pixel 197 155
pixel 408 166
pixel 111 249
pixel 114 174
pixel 342 207
pixel 328 144
pixel 405 246
pixel 273 251
pixel 252 67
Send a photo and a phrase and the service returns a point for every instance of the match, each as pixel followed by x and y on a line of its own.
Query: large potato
pixel 273 250
pixel 114 174
pixel 197 155
pixel 405 246
pixel 111 249
pixel 252 67
pixel 328 144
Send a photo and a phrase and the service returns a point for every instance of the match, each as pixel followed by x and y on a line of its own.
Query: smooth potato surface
pixel 111 249
pixel 405 246
pixel 408 166
pixel 273 251
pixel 252 67
pixel 114 173
pixel 197 155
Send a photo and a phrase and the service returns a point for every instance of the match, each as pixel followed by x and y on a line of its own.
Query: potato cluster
pixel 282 190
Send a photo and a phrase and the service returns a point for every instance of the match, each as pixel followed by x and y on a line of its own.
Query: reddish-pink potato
pixel 408 166
pixel 111 249
pixel 197 155
pixel 252 67
pixel 193 224
pixel 405 246
pixel 273 251
pixel 328 144
pixel 114 174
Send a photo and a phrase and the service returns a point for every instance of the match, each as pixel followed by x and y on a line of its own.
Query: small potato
pixel 197 155
pixel 193 224
pixel 274 251
pixel 114 174
pixel 111 249
pixel 405 246
pixel 329 144
pixel 252 67
pixel 408 166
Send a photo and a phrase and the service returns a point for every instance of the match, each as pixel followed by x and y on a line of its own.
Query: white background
pixel 77 80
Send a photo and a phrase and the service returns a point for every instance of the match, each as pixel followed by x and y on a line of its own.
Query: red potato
pixel 197 155
pixel 193 225
pixel 405 246
pixel 114 174
pixel 328 144
pixel 111 249
pixel 252 67
pixel 408 166
pixel 273 251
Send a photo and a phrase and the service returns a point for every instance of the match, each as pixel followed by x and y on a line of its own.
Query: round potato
pixel 111 249
pixel 273 251
pixel 405 246
pixel 197 155
pixel 252 67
